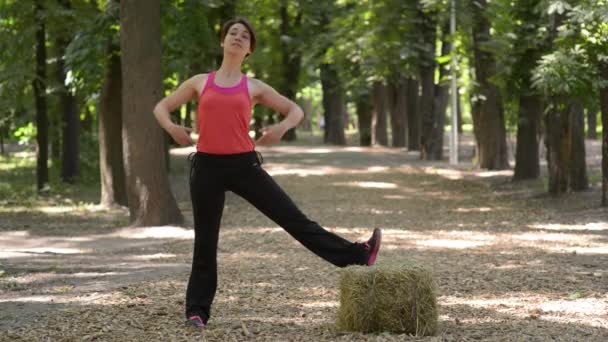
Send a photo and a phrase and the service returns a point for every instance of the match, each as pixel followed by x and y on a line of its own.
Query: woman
pixel 226 160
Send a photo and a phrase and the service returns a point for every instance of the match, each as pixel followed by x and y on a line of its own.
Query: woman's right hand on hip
pixel 181 135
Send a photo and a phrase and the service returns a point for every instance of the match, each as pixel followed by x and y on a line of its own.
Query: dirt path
pixel 510 263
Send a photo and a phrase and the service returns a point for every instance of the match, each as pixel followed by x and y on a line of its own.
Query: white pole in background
pixel 454 135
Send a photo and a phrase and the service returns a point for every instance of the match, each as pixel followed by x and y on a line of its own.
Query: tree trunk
pixel 70 166
pixel 428 138
pixel 398 95
pixel 488 115
pixel 306 104
pixel 591 124
pixel 430 142
pixel 151 201
pixel 188 119
pixel 364 117
pixel 414 123
pixel 54 133
pixel 442 96
pixel 291 59
pixel 459 113
pixel 558 143
pixel 39 86
pixel 604 108
pixel 2 150
pixel 527 165
pixel 113 188
pixel 578 170
pixel 379 124
pixel 332 105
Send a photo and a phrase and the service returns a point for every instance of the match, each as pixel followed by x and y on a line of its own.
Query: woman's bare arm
pixel 270 98
pixel 186 92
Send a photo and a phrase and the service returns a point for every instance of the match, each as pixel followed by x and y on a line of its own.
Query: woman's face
pixel 237 40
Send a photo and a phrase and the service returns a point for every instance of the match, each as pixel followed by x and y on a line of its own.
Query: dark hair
pixel 244 22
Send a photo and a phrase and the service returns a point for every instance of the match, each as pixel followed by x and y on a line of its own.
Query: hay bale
pixel 396 297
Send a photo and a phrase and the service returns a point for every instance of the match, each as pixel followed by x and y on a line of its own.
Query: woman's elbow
pixel 299 113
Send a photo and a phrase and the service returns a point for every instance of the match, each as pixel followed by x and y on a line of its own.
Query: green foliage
pixel 564 72
pixel 188 37
pixel 26 134
pixel 582 42
pixel 86 54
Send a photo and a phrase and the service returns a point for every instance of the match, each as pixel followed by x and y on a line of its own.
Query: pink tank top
pixel 224 114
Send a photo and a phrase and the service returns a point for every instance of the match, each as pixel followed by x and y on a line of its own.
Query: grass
pixel 18 184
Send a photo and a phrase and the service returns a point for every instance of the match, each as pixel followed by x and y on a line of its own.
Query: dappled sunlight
pixel 488 174
pixel 320 304
pixel 446 173
pixel 562 242
pixel 407 239
pixel 56 209
pixel 59 275
pixel 152 256
pixel 162 232
pixel 287 170
pixel 377 169
pixel 527 305
pixel 51 250
pixel 459 173
pixel 393 197
pixel 600 249
pixel 95 298
pixel 368 185
pixel 247 255
pixel 329 149
pixel 18 244
pixel 303 170
pixel 452 244
pixel 462 239
pixel 595 226
pixel 473 210
pixel 543 237
pixel 255 230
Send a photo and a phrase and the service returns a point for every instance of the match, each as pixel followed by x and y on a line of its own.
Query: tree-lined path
pixel 509 262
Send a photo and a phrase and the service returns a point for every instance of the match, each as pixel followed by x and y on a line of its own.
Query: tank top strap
pixel 210 81
pixel 243 83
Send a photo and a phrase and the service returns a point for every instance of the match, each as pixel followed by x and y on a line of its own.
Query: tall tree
pixel 333 105
pixel 379 114
pixel 364 116
pixel 151 201
pixel 413 115
pixel 578 171
pixel 398 110
pixel 591 123
pixel 39 85
pixel 333 94
pixel 563 76
pixel 113 188
pixel 432 134
pixel 442 92
pixel 70 166
pixel 488 112
pixel 291 28
pixel 520 27
pixel 604 106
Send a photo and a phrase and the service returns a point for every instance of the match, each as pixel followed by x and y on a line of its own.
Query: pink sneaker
pixel 373 246
pixel 196 321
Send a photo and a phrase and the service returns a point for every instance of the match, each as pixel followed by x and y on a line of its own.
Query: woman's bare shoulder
pixel 198 81
pixel 256 86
